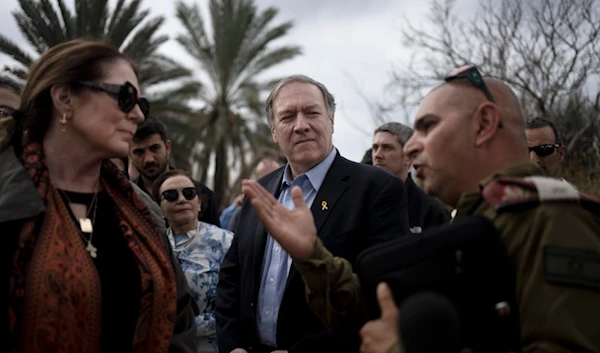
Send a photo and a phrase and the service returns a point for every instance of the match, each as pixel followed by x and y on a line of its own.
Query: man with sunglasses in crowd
pixel 550 231
pixel 545 146
pixel 149 154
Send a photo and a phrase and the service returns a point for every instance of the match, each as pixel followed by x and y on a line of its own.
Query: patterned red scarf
pixel 55 303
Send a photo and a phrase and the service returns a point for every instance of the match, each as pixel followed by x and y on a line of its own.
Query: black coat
pixel 365 206
pixel 424 211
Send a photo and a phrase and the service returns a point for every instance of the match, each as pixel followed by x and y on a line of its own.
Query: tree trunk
pixel 221 177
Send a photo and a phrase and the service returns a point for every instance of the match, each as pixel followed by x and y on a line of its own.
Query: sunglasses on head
pixel 125 94
pixel 475 78
pixel 172 195
pixel 544 150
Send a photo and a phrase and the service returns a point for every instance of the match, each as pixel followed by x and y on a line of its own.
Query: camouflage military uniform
pixel 552 237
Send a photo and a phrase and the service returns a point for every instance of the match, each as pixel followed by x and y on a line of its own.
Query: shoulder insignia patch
pixel 509 193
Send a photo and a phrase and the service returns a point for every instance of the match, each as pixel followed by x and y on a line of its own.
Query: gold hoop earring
pixel 63 122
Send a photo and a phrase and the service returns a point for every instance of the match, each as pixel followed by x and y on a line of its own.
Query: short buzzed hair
pixel 401 131
pixel 327 96
pixel 6 82
pixel 538 123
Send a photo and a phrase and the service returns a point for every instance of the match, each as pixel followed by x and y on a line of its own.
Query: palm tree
pixel 125 26
pixel 232 49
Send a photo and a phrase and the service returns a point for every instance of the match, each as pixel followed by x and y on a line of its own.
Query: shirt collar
pixel 188 235
pixel 316 175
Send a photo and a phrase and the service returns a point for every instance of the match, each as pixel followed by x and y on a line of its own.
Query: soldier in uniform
pixel 470 150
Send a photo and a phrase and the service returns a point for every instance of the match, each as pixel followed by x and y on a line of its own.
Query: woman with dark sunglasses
pixel 200 247
pixel 89 269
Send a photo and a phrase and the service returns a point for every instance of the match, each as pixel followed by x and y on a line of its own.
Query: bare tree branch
pixel 547 50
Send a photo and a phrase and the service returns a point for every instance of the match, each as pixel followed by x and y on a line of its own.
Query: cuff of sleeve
pixel 329 278
pixel 314 269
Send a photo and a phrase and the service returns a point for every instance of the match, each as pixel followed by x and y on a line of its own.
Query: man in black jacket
pixel 261 305
pixel 423 211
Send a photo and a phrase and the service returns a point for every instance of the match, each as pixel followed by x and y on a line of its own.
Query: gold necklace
pixel 86 225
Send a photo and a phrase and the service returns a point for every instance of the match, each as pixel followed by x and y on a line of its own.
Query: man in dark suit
pixel 424 211
pixel 261 304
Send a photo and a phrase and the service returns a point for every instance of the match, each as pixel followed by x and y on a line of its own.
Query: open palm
pixel 294 229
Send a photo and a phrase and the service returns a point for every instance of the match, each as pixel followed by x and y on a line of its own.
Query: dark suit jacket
pixel 362 210
pixel 423 210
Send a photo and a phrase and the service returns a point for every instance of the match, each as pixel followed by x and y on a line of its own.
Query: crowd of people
pixel 110 248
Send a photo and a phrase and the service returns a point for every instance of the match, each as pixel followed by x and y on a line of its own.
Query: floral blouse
pixel 200 253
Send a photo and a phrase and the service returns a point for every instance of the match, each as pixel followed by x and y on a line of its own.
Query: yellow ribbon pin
pixel 324 206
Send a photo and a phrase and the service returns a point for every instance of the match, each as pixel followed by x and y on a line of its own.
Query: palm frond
pixel 69 25
pixel 274 57
pixel 142 44
pixel 117 12
pixel 98 17
pixel 158 68
pixel 130 17
pixel 238 49
pixel 195 40
pixel 20 74
pixel 9 48
pixel 48 11
pixel 173 102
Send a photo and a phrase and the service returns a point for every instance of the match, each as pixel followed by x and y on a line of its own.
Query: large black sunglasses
pixel 475 78
pixel 126 95
pixel 172 195
pixel 544 150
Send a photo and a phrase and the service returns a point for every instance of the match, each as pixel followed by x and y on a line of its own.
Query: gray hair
pixel 328 97
pixel 401 131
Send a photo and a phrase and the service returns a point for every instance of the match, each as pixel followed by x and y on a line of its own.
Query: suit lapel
pixel 332 188
pixel 260 236
pixel 334 185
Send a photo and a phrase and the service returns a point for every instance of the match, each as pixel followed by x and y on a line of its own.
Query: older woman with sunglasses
pixel 200 247
pixel 89 269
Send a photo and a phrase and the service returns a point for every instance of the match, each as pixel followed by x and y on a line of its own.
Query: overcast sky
pixel 348 45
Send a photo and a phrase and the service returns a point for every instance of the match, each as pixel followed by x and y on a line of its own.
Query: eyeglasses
pixel 544 150
pixel 126 95
pixel 6 112
pixel 474 77
pixel 172 195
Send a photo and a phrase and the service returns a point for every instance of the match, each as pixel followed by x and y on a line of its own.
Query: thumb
pixel 386 301
pixel 298 198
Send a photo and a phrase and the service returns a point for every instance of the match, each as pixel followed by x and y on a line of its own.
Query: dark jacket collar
pixel 18 197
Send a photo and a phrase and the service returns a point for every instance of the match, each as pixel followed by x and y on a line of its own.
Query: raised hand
pixel 294 229
pixel 379 335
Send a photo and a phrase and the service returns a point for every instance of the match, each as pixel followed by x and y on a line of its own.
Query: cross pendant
pixel 91 249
